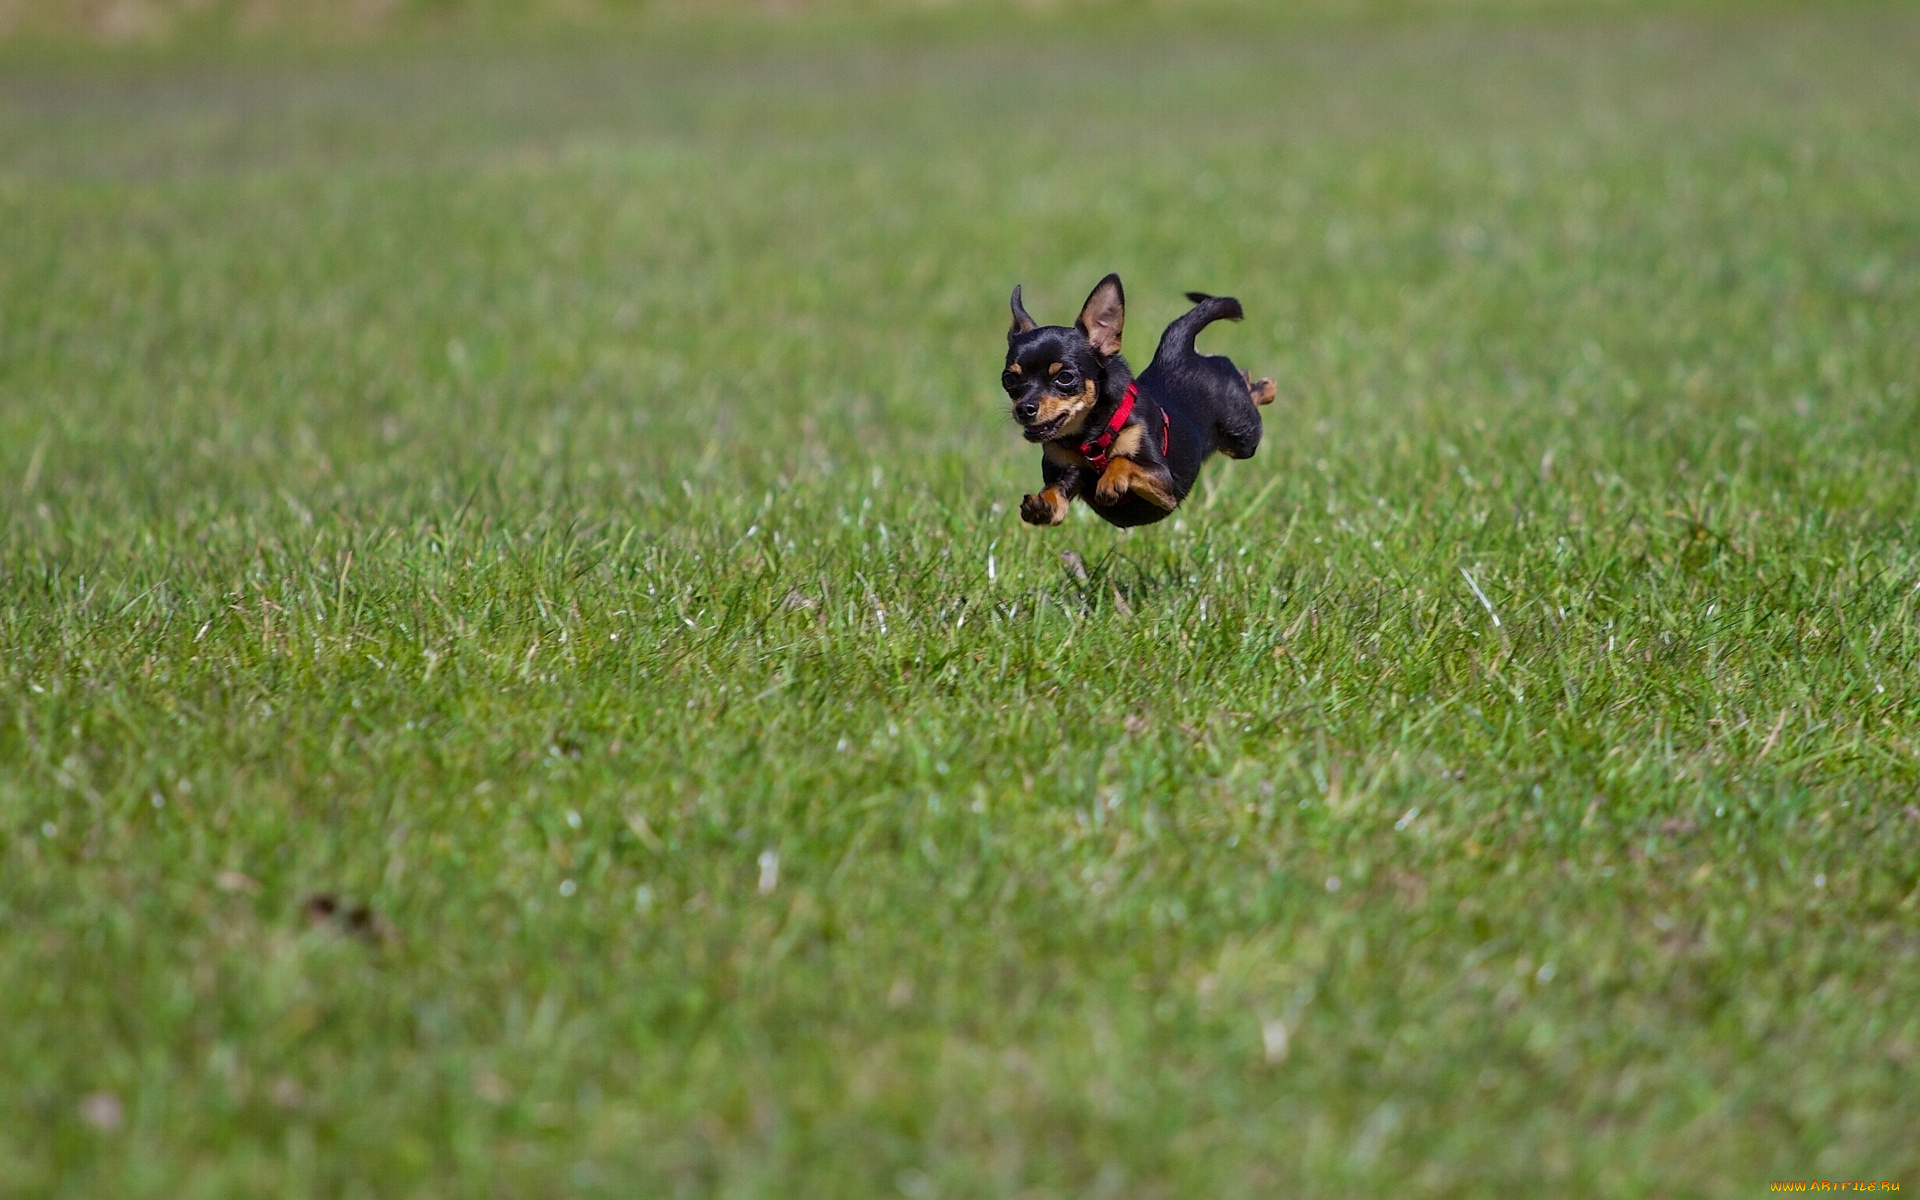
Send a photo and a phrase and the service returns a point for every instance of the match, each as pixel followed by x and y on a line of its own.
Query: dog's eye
pixel 1066 381
pixel 1009 380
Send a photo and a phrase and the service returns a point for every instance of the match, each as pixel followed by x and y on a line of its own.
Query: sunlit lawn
pixel 554 506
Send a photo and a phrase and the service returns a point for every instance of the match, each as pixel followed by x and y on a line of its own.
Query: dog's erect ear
pixel 1103 315
pixel 1022 323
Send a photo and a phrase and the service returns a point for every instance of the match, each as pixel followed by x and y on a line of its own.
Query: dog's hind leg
pixel 1237 431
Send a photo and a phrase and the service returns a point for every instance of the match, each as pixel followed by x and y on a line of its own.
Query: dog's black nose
pixel 1026 411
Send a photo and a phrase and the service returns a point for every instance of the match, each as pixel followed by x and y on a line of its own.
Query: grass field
pixel 554 505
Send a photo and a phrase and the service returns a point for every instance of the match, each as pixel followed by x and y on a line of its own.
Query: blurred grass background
pixel 538 474
pixel 183 24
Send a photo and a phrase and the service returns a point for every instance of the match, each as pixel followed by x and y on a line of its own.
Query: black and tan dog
pixel 1131 447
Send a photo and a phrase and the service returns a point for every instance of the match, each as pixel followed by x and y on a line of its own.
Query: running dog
pixel 1130 447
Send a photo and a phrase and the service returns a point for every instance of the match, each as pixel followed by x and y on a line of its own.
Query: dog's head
pixel 1053 372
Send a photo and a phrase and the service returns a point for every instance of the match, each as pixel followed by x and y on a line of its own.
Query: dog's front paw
pixel 1044 509
pixel 1116 481
pixel 1125 476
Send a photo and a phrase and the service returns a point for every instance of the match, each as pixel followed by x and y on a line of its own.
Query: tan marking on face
pixel 1054 369
pixel 1074 408
pixel 1015 368
pixel 1124 475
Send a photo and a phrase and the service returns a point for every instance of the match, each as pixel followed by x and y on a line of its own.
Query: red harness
pixel 1095 448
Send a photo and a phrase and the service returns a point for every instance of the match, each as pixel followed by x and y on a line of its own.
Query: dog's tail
pixel 1177 341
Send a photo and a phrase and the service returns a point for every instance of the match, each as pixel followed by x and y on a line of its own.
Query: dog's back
pixel 1209 402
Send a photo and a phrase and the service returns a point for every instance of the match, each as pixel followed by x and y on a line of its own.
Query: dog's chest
pixel 1126 444
pixel 1063 456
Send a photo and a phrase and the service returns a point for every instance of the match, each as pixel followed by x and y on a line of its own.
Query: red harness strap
pixel 1095 448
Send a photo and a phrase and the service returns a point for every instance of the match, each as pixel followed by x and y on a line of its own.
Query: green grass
pixel 561 501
